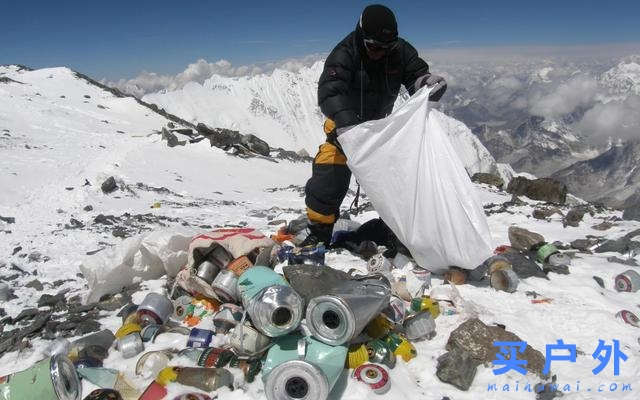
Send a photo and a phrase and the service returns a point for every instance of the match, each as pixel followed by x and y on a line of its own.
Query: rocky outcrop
pixel 612 178
pixel 477 339
pixel 488 179
pixel 543 189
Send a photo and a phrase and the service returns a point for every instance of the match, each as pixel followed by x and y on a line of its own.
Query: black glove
pixel 437 84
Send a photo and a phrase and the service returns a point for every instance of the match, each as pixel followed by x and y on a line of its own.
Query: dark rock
pixel 255 144
pixel 86 96
pixel 458 368
pixel 292 156
pixel 630 262
pixel 28 313
pixel 100 106
pixel 109 185
pixel 16 250
pixel 632 213
pixel 543 189
pixel 599 281
pixel 171 125
pixel 204 129
pixel 8 220
pixel 583 244
pixel 522 239
pixel 37 325
pixel 277 222
pixel 622 245
pixel 477 339
pixel 104 219
pixel 87 326
pixel 113 303
pixel 523 266
pixel 558 269
pixel 51 301
pixel 35 284
pixel 603 226
pixel 88 208
pixel 172 140
pixel 74 224
pixel 36 256
pixel 488 179
pixel 544 213
pixel 6 79
pixel 574 217
pixel 120 232
pixel 515 201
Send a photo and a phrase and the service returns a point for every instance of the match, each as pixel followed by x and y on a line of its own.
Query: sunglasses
pixel 377 46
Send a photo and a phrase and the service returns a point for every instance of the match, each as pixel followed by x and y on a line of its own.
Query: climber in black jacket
pixel 360 82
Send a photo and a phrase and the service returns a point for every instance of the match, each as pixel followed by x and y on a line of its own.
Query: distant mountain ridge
pixel 612 177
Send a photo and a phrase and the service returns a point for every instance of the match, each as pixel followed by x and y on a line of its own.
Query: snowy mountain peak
pixel 281 108
pixel 624 78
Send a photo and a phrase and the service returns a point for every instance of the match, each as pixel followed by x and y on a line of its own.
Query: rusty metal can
pixel 375 376
pixel 248 341
pixel 504 279
pixel 155 308
pixel 180 306
pixel 51 378
pixel 629 318
pixel 228 316
pixel 380 353
pixel 104 394
pixel 207 379
pixel 207 271
pixel 419 326
pixel 215 357
pixel 152 362
pixel 379 264
pixel 396 310
pixel 149 332
pixel 225 286
pixel 239 265
pixel 130 345
pixel 200 337
pixel 628 281
pixel 192 396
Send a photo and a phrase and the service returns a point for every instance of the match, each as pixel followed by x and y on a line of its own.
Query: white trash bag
pixel 137 258
pixel 410 171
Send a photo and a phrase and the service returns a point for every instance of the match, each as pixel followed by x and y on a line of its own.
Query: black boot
pixel 318 233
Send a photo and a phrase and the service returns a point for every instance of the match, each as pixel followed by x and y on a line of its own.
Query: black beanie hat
pixel 378 23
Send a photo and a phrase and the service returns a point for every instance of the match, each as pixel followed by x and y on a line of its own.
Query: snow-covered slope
pixel 282 109
pixel 624 78
pixel 57 151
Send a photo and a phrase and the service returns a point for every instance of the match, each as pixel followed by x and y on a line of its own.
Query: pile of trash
pixel 297 331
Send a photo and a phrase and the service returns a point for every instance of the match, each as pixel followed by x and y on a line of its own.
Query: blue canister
pixel 200 338
pixel 299 367
pixel 274 307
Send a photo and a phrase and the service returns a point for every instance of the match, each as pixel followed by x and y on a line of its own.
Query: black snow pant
pixel 329 182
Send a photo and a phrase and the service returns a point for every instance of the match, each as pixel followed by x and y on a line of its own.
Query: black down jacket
pixel 353 89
